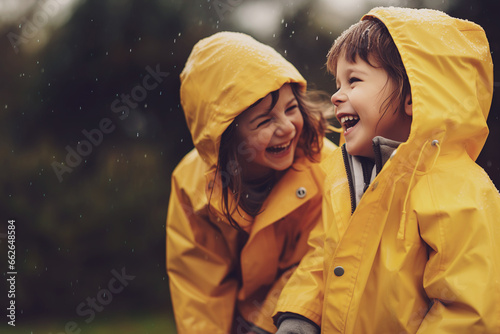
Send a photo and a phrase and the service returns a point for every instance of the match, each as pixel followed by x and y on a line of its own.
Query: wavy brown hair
pixel 371 41
pixel 312 106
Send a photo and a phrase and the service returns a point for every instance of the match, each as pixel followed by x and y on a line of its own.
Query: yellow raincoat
pixel 421 252
pixel 216 280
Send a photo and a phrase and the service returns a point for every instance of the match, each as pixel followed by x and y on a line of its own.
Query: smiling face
pixel 361 106
pixel 267 137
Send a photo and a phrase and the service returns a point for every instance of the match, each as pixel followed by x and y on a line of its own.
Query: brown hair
pixel 312 109
pixel 371 41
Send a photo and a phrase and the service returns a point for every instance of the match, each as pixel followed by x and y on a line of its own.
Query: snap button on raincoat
pixel 220 278
pixel 421 252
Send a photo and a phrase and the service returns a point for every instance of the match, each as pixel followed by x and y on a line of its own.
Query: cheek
pixel 299 124
pixel 260 140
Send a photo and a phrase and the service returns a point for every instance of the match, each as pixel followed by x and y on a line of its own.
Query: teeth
pixel 279 147
pixel 344 119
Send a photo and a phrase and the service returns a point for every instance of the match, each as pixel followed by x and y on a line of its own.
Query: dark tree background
pixel 84 64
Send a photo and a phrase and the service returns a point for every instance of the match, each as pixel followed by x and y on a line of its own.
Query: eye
pixel 353 80
pixel 292 108
pixel 263 122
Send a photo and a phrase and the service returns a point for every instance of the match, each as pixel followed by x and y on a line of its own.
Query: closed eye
pixel 353 80
pixel 263 122
pixel 292 108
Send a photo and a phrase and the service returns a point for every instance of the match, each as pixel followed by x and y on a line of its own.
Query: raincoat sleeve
pixel 461 277
pixel 303 294
pixel 200 267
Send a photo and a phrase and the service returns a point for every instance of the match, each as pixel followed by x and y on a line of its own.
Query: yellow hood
pixel 224 75
pixel 444 108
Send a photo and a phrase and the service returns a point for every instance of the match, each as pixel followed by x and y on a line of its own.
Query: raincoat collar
pixel 362 171
pixel 294 188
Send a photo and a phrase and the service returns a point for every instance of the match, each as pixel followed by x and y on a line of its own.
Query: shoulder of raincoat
pixel 222 279
pixel 421 252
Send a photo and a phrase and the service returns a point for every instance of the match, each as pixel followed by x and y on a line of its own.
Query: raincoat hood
pixel 224 75
pixel 436 49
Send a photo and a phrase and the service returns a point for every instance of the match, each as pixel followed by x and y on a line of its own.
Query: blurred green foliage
pixel 109 212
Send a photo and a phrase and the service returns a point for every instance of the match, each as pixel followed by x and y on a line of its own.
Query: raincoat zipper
pixel 349 178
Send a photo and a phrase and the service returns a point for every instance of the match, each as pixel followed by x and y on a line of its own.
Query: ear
pixel 408 105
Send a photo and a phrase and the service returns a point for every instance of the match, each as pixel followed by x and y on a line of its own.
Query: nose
pixel 285 126
pixel 337 98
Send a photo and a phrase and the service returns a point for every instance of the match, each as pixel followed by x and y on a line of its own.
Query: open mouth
pixel 279 148
pixel 349 121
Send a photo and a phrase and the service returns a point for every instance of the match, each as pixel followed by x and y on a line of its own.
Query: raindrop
pixel 106 53
pixel 137 134
pixel 316 37
pixel 6 106
pixel 130 50
pixel 174 40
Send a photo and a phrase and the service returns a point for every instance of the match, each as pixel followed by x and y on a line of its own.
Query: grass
pixel 143 324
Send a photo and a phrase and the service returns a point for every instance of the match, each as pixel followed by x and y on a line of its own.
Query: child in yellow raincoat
pixel 410 240
pixel 244 200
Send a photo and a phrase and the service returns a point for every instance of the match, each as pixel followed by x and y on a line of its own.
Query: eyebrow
pixel 293 99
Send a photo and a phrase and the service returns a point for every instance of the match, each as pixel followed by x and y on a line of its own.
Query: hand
pixel 297 326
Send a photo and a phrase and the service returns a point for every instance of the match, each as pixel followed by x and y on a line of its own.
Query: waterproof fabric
pixel 421 252
pixel 218 282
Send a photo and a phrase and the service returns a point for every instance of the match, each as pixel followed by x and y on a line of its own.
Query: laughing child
pixel 410 240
